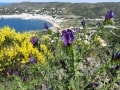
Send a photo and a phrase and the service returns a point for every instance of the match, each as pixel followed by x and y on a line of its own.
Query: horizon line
pixel 58 2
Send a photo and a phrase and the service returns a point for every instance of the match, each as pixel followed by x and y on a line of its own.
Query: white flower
pixel 104 43
pixel 101 41
pixel 52 41
pixel 86 42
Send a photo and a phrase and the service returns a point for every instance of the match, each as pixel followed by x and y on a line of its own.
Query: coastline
pixel 26 16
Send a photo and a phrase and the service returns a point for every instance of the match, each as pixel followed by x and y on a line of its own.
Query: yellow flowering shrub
pixel 45 51
pixel 16 48
pixel 6 34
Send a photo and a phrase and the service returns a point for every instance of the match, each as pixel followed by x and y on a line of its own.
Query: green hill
pixel 90 10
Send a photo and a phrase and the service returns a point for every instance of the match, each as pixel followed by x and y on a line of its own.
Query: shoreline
pixel 26 16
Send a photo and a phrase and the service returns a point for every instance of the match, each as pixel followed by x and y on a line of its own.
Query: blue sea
pixel 22 25
pixel 4 3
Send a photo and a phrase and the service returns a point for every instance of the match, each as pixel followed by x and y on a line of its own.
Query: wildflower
pixel 46 26
pixel 86 42
pixel 101 41
pixel 111 14
pixel 104 43
pixel 108 17
pixel 24 61
pixel 32 60
pixel 34 40
pixel 67 37
pixel 24 78
pixel 40 58
pixel 16 73
pixel 83 23
pixel 44 48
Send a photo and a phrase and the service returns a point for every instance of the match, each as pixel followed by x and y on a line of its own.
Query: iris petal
pixel 67 37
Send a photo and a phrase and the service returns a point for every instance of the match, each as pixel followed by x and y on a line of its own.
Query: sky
pixel 73 1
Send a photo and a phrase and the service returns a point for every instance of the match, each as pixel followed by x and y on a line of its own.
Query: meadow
pixel 74 59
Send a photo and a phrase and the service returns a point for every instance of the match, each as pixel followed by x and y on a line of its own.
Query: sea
pixel 23 25
pixel 5 3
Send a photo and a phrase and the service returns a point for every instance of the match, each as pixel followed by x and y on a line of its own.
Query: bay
pixel 22 25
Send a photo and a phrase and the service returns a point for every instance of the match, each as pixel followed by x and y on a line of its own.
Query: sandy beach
pixel 53 21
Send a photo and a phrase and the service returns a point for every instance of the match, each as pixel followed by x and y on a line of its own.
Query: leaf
pixel 72 85
pixel 60 87
pixel 77 73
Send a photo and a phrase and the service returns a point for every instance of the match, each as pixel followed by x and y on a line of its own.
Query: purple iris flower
pixel 34 40
pixel 108 18
pixel 109 15
pixel 68 37
pixel 24 78
pixel 32 60
pixel 16 73
pixel 83 23
pixel 46 26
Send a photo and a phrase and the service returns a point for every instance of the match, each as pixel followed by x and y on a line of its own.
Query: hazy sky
pixel 74 1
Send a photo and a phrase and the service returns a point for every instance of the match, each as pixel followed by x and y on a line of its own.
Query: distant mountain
pixel 89 10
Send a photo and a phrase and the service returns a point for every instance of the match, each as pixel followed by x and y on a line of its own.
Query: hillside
pixel 90 10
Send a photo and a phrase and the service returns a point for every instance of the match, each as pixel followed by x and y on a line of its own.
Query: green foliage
pixel 86 64
pixel 76 67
